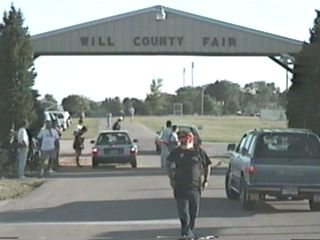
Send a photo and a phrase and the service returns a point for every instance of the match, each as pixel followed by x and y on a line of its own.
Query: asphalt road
pixel 124 203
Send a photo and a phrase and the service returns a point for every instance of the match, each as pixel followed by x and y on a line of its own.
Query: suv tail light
pixel 133 151
pixel 251 170
pixel 95 151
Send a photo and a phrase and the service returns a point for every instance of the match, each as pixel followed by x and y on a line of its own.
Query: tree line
pixel 222 97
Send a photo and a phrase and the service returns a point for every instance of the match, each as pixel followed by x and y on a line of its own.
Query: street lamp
pixel 192 66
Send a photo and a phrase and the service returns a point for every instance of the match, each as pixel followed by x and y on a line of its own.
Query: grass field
pixel 214 129
pixel 12 188
pixel 91 123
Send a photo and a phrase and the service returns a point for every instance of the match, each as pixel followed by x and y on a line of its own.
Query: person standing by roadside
pixel 131 111
pixel 109 120
pixel 79 126
pixel 164 139
pixel 189 174
pixel 55 161
pixel 173 139
pixel 23 148
pixel 78 144
pixel 47 137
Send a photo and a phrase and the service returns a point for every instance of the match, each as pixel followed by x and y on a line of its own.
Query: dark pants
pixel 188 204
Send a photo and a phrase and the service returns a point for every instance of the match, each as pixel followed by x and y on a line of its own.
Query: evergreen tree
pixel 17 73
pixel 303 109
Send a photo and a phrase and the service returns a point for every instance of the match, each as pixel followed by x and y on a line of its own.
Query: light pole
pixel 184 77
pixel 192 66
pixel 202 100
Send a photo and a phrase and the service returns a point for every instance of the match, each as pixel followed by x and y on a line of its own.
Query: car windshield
pixel 113 138
pixel 288 145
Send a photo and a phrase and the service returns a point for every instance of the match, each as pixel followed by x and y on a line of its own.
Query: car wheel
pixel 314 206
pixel 94 163
pixel 231 194
pixel 134 163
pixel 244 196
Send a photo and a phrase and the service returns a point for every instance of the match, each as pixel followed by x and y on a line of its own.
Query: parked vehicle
pixel 181 128
pixel 114 147
pixel 62 121
pixel 283 163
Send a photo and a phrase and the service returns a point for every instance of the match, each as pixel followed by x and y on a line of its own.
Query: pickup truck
pixel 281 163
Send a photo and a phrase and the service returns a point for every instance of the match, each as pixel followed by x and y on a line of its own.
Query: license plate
pixel 316 197
pixel 290 191
pixel 114 152
pixel 111 152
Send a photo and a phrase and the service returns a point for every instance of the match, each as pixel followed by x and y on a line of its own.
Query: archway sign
pixel 160 30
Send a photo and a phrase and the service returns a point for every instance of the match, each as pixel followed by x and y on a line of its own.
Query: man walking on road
pixel 189 171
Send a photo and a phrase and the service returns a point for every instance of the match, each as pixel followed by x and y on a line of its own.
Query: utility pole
pixel 192 66
pixel 184 77
pixel 202 100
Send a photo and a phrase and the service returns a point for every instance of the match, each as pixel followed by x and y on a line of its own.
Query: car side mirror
pixel 135 140
pixel 231 147
pixel 92 141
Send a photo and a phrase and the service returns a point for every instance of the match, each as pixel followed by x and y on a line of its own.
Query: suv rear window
pixel 287 145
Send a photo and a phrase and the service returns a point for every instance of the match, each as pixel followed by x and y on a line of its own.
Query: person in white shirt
pixel 109 120
pixel 23 148
pixel 164 143
pixel 78 128
pixel 48 137
pixel 173 139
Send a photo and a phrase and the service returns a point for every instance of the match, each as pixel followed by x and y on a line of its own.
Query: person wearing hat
pixel 116 125
pixel 189 171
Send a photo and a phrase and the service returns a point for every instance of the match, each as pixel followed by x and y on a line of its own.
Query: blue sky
pixel 130 76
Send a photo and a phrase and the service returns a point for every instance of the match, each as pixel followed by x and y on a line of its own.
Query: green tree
pixel 227 93
pixel 139 106
pixel 303 107
pixel 50 98
pixel 112 105
pixel 76 104
pixel 191 99
pixel 259 94
pixel 153 100
pixel 17 73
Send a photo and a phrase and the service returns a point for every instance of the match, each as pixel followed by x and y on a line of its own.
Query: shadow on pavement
pixel 254 232
pixel 115 170
pixel 133 210
pixel 122 210
pixel 105 171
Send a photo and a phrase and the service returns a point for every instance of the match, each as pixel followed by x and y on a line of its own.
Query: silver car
pixel 281 163
pixel 114 147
